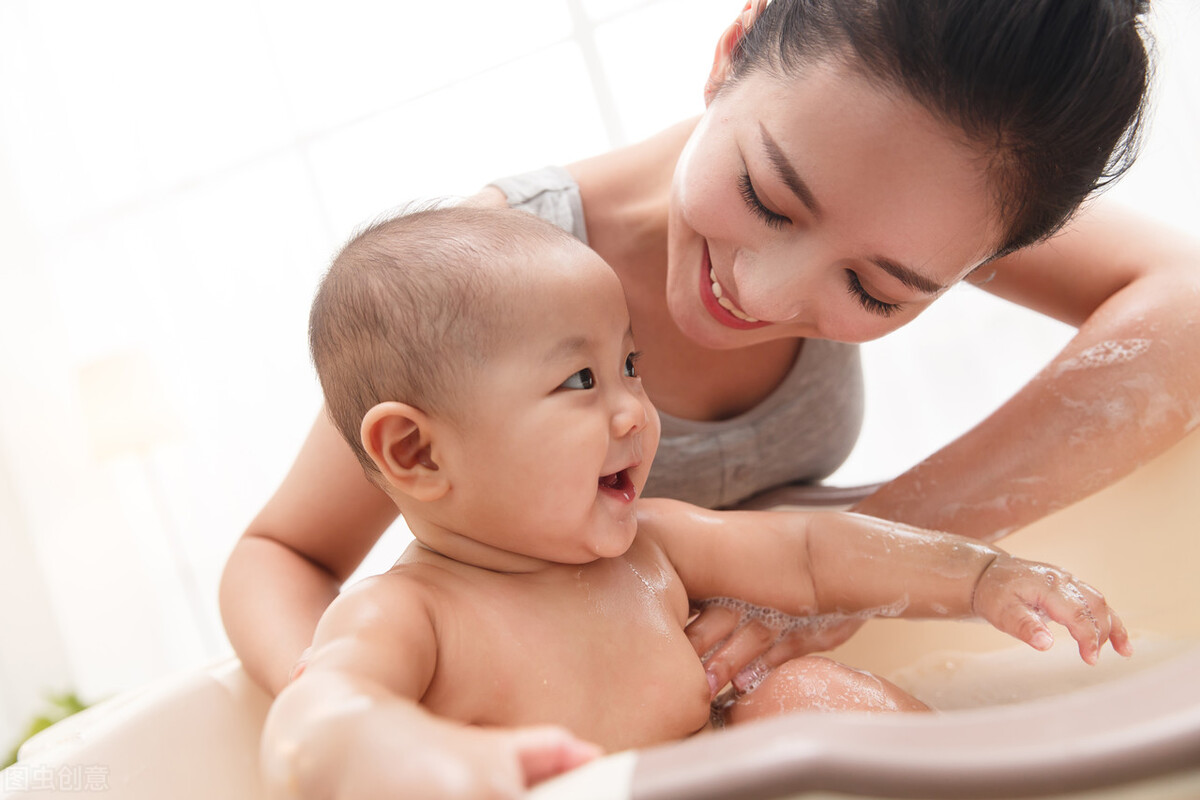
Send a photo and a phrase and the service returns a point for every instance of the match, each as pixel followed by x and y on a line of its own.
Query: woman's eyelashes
pixel 777 221
pixel 769 217
pixel 872 304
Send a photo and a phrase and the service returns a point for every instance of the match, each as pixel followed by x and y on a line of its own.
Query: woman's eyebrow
pixel 791 178
pixel 908 276
pixel 787 173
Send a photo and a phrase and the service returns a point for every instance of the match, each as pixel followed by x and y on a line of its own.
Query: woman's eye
pixel 584 379
pixel 746 189
pixel 872 304
pixel 631 364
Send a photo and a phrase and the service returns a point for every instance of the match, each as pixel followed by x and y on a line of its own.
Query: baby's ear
pixel 399 439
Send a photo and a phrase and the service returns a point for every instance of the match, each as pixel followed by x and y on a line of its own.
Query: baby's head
pixel 413 306
pixel 480 362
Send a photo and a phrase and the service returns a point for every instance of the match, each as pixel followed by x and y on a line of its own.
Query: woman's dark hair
pixel 1055 90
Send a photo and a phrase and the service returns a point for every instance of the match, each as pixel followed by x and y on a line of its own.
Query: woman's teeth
pixel 725 302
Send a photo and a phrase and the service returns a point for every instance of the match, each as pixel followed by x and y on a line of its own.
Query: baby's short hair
pixel 412 305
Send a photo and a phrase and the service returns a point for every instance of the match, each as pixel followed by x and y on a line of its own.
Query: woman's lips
pixel 712 303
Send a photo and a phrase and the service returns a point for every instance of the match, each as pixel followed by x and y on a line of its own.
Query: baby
pixel 482 367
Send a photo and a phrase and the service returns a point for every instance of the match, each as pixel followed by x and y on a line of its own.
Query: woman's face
pixel 820 207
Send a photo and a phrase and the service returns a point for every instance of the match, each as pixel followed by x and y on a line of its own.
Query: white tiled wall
pixel 173 179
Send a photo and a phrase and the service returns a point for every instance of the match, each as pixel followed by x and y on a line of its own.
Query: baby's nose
pixel 630 414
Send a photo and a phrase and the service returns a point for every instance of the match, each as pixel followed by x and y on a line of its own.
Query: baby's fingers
pixel 1027 625
pixel 549 750
pixel 1119 637
pixel 1084 613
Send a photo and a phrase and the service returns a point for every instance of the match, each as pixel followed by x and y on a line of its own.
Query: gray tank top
pixel 800 433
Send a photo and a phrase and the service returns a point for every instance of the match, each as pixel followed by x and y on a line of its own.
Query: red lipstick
pixel 713 307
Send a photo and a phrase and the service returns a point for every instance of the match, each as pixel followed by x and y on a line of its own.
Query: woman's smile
pixel 717 302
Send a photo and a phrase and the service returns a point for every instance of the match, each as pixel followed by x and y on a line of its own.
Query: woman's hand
pixel 1017 596
pixel 740 643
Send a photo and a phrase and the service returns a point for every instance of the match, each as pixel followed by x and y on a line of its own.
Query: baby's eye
pixel 631 364
pixel 584 379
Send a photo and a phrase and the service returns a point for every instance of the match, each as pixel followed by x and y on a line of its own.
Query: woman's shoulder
pixel 628 174
pixel 550 193
pixel 625 193
pixel 488 197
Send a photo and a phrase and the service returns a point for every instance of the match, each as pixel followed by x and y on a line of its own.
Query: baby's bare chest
pixel 603 653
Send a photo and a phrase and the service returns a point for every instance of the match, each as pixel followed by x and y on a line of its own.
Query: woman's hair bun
pixel 1133 10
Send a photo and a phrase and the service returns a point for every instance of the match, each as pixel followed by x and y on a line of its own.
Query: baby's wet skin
pixel 587 624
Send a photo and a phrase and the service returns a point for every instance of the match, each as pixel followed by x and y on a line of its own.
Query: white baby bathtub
pixel 1015 723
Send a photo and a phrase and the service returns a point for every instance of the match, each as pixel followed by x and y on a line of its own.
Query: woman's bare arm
pixel 306 541
pixel 292 559
pixel 1123 390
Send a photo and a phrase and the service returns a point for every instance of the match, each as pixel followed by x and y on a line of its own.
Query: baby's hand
pixel 393 749
pixel 469 763
pixel 1017 595
pixel 546 751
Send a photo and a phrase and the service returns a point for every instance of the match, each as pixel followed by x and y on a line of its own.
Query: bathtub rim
pixel 1102 736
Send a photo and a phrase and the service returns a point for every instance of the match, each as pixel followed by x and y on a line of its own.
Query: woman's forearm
pixel 271 600
pixel 1125 389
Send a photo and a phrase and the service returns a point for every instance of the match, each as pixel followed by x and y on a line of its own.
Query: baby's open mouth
pixel 618 483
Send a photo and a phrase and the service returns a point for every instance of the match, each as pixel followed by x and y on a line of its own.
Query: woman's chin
pixel 694 322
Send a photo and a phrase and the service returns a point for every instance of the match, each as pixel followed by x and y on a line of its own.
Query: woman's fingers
pixel 818 635
pixel 740 645
pixel 713 625
pixel 743 646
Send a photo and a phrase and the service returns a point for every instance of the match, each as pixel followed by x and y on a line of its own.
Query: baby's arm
pixel 807 563
pixel 351 724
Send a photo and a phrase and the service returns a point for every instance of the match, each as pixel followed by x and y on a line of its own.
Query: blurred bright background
pixel 173 180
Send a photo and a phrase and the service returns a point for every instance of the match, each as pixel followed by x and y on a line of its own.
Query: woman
pixel 855 160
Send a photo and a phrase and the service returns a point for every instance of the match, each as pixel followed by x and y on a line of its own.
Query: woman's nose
pixel 772 286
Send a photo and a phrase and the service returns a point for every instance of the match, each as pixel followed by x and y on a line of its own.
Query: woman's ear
pixel 399 439
pixel 730 39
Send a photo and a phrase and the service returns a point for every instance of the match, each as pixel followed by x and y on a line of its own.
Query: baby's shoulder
pixel 399 593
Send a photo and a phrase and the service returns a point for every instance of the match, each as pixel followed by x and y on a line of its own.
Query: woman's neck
pixel 625 197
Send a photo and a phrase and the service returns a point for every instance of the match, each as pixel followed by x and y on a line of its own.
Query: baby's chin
pixel 616 541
